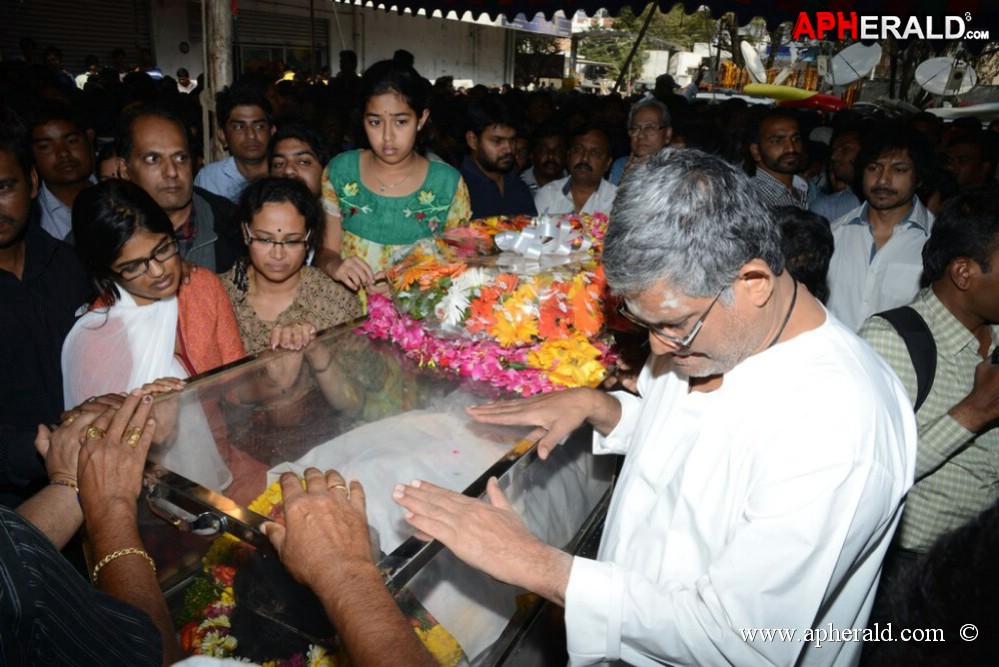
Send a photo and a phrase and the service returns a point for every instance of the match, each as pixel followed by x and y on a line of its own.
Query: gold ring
pixel 343 487
pixel 94 432
pixel 132 436
pixel 70 419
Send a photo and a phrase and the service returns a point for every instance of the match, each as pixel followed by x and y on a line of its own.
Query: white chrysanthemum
pixel 470 279
pixel 451 309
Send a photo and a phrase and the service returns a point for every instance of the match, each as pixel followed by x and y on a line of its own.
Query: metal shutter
pixel 77 28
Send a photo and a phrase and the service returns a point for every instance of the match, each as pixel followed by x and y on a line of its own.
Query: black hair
pixel 91 60
pixel 545 130
pixel 591 127
pixel 888 138
pixel 349 56
pixel 967 226
pixel 105 217
pixel 487 112
pixel 54 111
pixel 304 134
pixel 239 95
pixel 390 76
pixel 123 140
pixel 955 579
pixel 938 180
pixel 988 148
pixel 807 243
pixel 771 114
pixel 53 50
pixel 14 139
pixel 183 72
pixel 106 152
pixel 276 190
pixel 404 57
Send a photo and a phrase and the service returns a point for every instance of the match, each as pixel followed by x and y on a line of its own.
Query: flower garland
pixel 523 331
pixel 209 603
pixel 527 370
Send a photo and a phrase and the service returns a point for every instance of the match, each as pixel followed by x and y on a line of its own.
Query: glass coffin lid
pixel 360 407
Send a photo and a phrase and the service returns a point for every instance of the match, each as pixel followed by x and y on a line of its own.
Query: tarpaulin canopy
pixel 983 12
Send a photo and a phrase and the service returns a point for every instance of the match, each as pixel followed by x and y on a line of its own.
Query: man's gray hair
pixel 691 219
pixel 652 102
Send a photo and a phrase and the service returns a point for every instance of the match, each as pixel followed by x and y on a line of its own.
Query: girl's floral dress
pixel 375 225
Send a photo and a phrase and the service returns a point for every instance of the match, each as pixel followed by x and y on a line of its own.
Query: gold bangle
pixel 129 551
pixel 66 483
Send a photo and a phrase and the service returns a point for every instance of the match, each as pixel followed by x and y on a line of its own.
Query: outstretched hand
pixel 554 415
pixel 489 536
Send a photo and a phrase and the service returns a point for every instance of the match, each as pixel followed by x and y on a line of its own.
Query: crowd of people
pixel 770 452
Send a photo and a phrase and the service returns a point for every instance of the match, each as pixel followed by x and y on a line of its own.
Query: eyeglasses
pixel 270 244
pixel 583 151
pixel 645 129
pixel 139 267
pixel 680 343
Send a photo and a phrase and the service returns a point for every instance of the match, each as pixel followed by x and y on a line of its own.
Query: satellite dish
pixel 854 62
pixel 946 76
pixel 753 63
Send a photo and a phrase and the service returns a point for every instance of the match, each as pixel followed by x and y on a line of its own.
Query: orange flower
pixel 586 303
pixel 554 317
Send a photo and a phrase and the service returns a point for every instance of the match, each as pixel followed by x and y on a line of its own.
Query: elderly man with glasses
pixel 768 450
pixel 649 132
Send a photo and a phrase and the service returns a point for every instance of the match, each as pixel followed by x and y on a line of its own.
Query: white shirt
pixel 222 178
pixel 767 503
pixel 556 198
pixel 56 218
pixel 864 279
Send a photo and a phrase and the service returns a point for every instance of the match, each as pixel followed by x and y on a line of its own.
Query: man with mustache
pixel 244 118
pixel 877 259
pixel 547 157
pixel 63 150
pixel 585 190
pixel 153 153
pixel 41 286
pixel 777 150
pixel 494 188
pixel 845 145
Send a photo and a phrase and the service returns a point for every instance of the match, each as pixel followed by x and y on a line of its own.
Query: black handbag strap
pixel 919 342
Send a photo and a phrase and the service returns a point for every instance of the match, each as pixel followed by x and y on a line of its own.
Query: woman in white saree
pixel 146 329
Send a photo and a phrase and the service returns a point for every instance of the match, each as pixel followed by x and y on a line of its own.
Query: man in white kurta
pixel 767 503
pixel 767 453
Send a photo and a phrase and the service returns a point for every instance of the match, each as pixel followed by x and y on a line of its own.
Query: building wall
pixel 475 50
pixel 177 22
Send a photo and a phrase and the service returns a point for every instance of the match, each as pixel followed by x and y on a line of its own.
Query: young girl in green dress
pixel 388 196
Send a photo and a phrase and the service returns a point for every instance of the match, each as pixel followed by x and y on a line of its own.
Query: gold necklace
pixel 386 186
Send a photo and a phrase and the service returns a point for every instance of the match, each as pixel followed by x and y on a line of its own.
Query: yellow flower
pixel 426 197
pixel 266 501
pixel 227 597
pixel 351 189
pixel 441 644
pixel 571 362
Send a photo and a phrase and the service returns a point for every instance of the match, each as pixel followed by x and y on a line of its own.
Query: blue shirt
pixel 222 178
pixel 486 198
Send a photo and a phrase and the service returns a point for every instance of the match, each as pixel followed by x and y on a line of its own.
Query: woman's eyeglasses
pixel 270 244
pixel 138 267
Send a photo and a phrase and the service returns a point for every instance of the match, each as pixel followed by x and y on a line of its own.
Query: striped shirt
pixel 957 473
pixel 52 616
